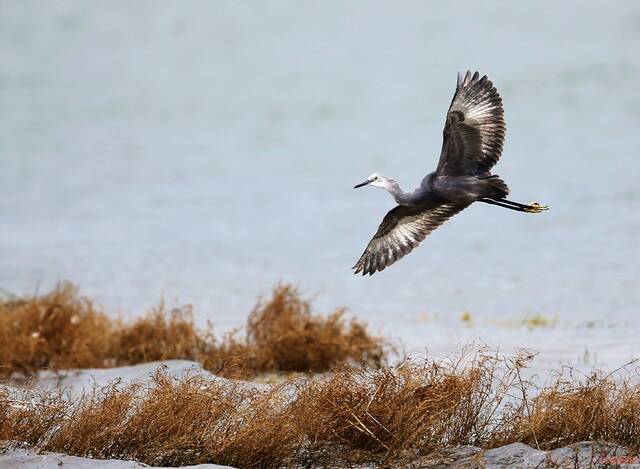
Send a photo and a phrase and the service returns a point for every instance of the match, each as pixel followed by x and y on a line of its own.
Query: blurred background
pixel 204 151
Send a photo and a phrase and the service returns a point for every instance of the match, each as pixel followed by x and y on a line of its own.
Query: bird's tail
pixel 495 187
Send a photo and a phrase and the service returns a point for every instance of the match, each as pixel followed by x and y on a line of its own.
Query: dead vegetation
pixel 171 422
pixel 596 408
pixel 58 330
pixel 284 335
pixel 417 407
pixel 63 330
pixel 388 416
pixel 371 413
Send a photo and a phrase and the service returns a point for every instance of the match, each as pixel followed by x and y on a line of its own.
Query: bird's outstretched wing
pixel 475 128
pixel 401 230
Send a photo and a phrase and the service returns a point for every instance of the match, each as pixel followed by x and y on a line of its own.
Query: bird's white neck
pixel 393 188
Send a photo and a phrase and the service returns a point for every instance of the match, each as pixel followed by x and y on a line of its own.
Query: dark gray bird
pixel 473 138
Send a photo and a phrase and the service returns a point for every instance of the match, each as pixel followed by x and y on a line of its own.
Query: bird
pixel 473 138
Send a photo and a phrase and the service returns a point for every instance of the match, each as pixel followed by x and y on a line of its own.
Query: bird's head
pixel 376 180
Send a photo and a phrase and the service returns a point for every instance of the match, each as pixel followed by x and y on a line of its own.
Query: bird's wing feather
pixel 401 230
pixel 474 131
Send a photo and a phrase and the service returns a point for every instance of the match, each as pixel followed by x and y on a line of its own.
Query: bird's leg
pixel 499 204
pixel 533 207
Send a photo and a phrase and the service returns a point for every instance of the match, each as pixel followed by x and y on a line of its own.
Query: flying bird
pixel 473 138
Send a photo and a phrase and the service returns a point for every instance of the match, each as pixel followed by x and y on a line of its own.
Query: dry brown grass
pixel 62 330
pixel 172 422
pixel 368 413
pixel 31 418
pixel 165 422
pixel 596 408
pixel 388 416
pixel 58 330
pixel 284 335
pixel 158 335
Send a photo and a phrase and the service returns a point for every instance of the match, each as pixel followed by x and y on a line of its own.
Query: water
pixel 205 151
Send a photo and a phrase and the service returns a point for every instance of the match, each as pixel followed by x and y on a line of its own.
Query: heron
pixel 473 138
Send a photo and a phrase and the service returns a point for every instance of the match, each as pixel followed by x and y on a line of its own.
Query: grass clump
pixel 418 407
pixel 58 330
pixel 352 415
pixel 284 335
pixel 173 422
pixel 595 409
pixel 391 416
pixel 158 335
pixel 167 421
pixel 538 320
pixel 63 330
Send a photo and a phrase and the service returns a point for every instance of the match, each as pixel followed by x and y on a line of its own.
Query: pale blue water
pixel 206 150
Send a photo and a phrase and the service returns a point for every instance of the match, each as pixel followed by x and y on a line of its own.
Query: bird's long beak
pixel 362 184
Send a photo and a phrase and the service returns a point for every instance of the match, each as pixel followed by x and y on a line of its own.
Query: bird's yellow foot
pixel 535 207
